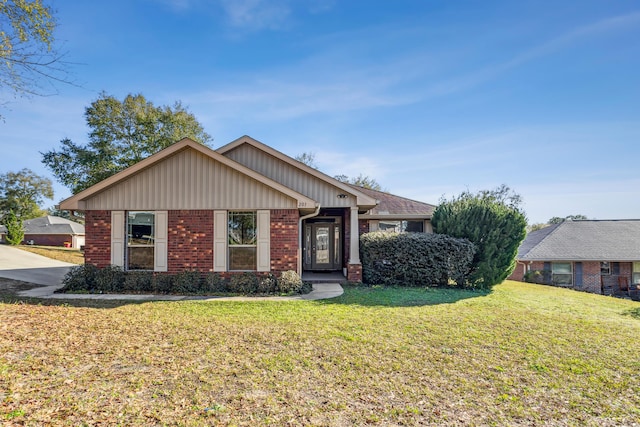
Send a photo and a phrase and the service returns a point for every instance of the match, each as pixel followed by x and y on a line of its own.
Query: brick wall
pixel 97 246
pixel 363 225
pixel 284 240
pixel 590 277
pixel 48 239
pixel 190 240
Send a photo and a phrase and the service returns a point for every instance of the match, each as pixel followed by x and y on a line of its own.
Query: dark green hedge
pixel 88 278
pixel 415 259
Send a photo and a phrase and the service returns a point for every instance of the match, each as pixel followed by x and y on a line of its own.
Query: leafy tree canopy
pixel 15 228
pixel 361 181
pixel 308 159
pixel 28 57
pixel 493 221
pixel 121 134
pixel 22 193
pixel 558 220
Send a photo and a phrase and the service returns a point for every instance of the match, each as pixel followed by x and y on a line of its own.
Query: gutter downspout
pixel 302 218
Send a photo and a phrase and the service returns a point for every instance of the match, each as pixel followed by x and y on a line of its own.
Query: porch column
pixel 354 240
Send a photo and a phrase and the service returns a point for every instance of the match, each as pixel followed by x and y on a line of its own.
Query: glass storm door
pixel 322 246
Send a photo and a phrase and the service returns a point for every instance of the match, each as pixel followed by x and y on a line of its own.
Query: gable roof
pixel 50 225
pixel 584 240
pixel 391 206
pixel 76 202
pixel 362 199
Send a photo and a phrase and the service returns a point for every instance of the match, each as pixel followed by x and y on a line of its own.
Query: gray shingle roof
pixel 390 204
pixel 50 225
pixel 584 240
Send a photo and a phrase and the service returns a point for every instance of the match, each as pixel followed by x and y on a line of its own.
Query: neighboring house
pixel 243 207
pixel 601 256
pixel 51 231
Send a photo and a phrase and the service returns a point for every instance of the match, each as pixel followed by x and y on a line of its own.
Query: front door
pixel 322 243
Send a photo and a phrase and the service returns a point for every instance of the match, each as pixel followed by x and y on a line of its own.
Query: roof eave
pixel 77 202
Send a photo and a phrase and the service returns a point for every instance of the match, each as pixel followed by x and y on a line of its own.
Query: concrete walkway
pixel 28 267
pixel 320 291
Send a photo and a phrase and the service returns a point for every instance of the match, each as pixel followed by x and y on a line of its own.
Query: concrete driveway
pixel 27 267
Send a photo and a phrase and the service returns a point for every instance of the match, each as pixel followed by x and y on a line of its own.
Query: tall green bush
pixel 15 229
pixel 414 259
pixel 493 221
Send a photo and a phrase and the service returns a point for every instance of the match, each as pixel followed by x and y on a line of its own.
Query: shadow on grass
pixel 402 296
pixel 634 312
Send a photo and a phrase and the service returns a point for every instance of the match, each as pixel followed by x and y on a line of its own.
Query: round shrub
pixel 415 259
pixel 139 281
pixel 79 278
pixel 267 284
pixel 163 283
pixel 109 279
pixel 215 283
pixel 289 282
pixel 244 283
pixel 188 282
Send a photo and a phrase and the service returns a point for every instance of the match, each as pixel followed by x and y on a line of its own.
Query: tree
pixel 28 57
pixel 536 227
pixel 308 159
pixel 361 181
pixel 122 133
pixel 558 220
pixel 15 229
pixel 22 193
pixel 493 221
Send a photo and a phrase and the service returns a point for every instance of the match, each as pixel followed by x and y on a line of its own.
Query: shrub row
pixel 415 259
pixel 112 279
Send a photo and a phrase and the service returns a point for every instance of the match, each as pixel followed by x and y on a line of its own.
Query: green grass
pixel 521 355
pixel 55 252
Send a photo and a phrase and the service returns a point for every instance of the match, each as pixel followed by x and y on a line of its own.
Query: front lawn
pixel 55 252
pixel 521 355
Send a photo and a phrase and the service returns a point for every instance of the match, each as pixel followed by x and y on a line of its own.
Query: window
pixel 405 226
pixel 242 241
pixel 140 240
pixel 605 268
pixel 636 273
pixel 561 274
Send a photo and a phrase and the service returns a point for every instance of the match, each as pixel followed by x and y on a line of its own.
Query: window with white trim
pixel 605 268
pixel 140 253
pixel 242 241
pixel 402 226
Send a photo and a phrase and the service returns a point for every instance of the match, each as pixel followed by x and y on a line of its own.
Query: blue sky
pixel 431 98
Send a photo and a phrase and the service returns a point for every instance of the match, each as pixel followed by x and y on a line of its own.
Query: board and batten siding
pixel 189 180
pixel 290 176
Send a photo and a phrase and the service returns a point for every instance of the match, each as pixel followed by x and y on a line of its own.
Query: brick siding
pixel 591 276
pixel 284 240
pixel 48 239
pixel 97 245
pixel 190 240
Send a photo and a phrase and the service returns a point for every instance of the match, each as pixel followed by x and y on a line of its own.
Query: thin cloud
pixel 618 23
pixel 257 15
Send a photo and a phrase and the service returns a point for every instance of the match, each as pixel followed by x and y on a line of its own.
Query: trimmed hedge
pixel 112 279
pixel 415 259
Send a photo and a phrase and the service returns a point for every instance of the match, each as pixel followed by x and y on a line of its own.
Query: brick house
pixel 600 256
pixel 51 231
pixel 242 207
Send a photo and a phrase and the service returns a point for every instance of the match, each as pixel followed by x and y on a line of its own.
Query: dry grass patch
pixel 54 252
pixel 522 355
